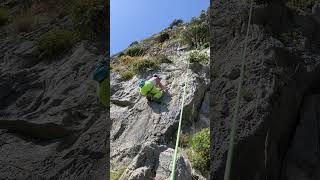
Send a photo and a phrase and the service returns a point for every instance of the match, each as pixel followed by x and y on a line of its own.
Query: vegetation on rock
pixel 175 23
pixel 115 175
pixel 55 41
pixel 199 151
pixel 163 37
pixel 197 56
pixel 301 4
pixel 145 65
pixel 197 32
pixel 126 75
pixel 135 50
pixel 4 16
pixel 134 43
pixel 86 15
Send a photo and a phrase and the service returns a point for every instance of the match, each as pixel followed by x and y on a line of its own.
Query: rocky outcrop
pixel 143 132
pixel 50 122
pixel 278 76
pixel 302 160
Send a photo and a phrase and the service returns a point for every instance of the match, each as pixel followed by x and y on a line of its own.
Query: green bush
pixel 163 37
pixel 301 4
pixel 205 45
pixel 176 22
pixel 121 54
pixel 4 16
pixel 115 175
pixel 196 34
pixel 55 42
pixel 135 51
pixel 199 152
pixel 126 75
pixel 196 56
pixel 145 65
pixel 86 15
pixel 134 43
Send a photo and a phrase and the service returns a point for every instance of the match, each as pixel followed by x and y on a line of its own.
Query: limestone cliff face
pixel 143 133
pixel 51 125
pixel 279 116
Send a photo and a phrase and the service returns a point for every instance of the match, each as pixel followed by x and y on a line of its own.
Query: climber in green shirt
pixel 152 88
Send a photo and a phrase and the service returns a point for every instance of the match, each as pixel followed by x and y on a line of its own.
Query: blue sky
pixel 135 20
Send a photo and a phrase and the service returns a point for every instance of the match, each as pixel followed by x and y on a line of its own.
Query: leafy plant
pixel 196 33
pixel 135 50
pixel 126 75
pixel 115 175
pixel 176 22
pixel 292 39
pixel 121 54
pixel 86 15
pixel 196 56
pixel 4 16
pixel 163 37
pixel 301 4
pixel 55 42
pixel 145 65
pixel 134 43
pixel 199 152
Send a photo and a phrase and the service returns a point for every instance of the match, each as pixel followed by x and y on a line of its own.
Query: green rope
pixel 174 161
pixel 236 111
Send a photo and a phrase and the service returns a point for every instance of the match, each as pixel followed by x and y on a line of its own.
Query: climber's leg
pixel 103 92
pixel 157 94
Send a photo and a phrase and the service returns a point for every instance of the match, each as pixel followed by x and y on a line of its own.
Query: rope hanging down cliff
pixel 236 110
pixel 174 160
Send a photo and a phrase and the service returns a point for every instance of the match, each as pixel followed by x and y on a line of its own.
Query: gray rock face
pixel 163 172
pixel 137 123
pixel 278 78
pixel 303 157
pixel 26 49
pixel 51 125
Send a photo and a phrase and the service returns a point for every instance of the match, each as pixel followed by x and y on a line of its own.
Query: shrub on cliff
pixel 196 56
pixel 175 23
pixel 86 15
pixel 4 16
pixel 163 37
pixel 135 50
pixel 301 4
pixel 196 33
pixel 199 152
pixel 55 42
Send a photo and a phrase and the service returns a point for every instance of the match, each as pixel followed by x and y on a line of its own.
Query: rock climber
pixel 152 88
pixel 101 74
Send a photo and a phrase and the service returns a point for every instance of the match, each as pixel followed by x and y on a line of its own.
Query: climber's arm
pixel 162 86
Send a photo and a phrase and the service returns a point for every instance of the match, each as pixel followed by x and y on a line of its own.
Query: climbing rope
pixel 174 161
pixel 236 111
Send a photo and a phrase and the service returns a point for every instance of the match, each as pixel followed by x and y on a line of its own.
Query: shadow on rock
pixel 162 106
